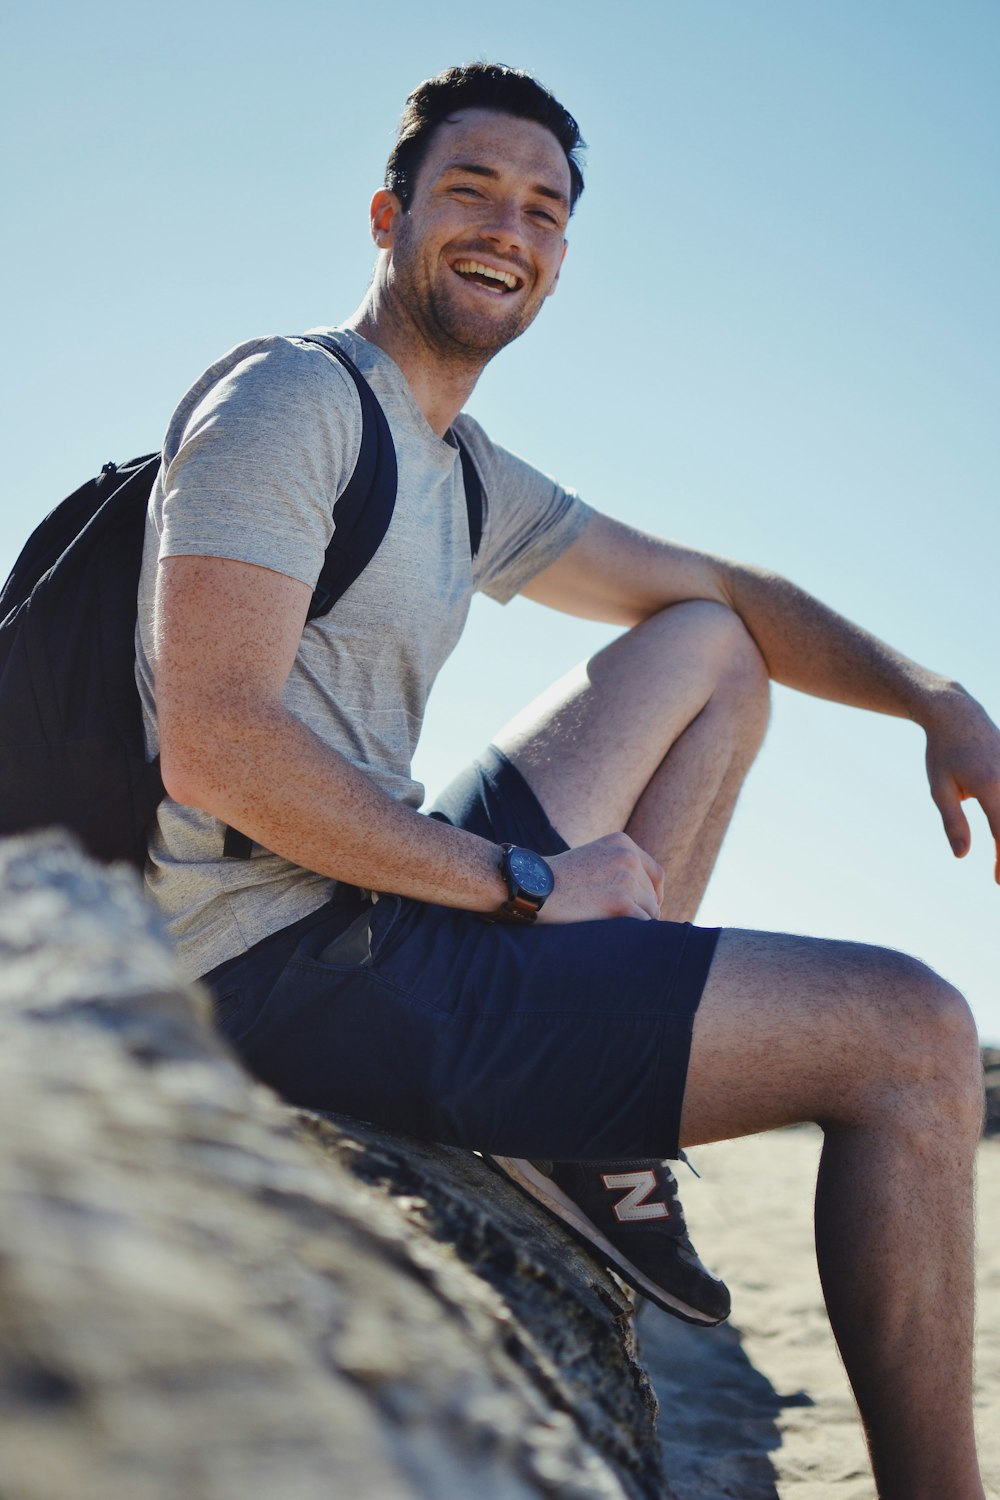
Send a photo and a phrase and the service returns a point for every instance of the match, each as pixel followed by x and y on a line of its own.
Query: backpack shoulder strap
pixel 362 514
pixel 375 479
pixel 473 495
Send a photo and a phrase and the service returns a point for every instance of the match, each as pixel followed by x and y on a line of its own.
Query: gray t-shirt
pixel 254 458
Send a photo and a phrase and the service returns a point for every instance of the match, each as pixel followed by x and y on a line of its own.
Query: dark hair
pixel 477 85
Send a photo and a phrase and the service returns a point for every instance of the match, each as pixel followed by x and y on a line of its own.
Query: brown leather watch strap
pixel 516 909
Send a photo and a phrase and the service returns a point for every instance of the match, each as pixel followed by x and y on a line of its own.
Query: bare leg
pixel 883 1055
pixel 653 736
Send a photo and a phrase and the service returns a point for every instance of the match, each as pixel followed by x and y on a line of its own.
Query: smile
pixel 500 282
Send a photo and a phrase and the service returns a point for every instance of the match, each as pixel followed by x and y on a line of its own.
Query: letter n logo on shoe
pixel 635 1205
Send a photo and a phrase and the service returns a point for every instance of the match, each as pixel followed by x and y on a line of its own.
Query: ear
pixel 385 209
pixel 555 279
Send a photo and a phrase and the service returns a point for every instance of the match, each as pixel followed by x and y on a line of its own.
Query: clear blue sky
pixel 776 337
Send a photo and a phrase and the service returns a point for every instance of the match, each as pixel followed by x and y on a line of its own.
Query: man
pixel 585 1030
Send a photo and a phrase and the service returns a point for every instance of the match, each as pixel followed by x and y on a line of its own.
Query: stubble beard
pixel 454 330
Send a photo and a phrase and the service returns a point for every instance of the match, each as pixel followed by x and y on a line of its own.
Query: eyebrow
pixel 478 170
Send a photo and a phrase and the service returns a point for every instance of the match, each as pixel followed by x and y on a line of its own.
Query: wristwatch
pixel 530 882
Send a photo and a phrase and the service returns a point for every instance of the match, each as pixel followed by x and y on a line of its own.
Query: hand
pixel 611 877
pixel 963 760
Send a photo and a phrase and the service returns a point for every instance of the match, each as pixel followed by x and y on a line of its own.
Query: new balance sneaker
pixel 628 1213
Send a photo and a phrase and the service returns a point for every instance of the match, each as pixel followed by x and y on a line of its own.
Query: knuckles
pixel 625 849
pixel 606 878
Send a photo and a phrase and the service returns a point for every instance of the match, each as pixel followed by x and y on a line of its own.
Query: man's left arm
pixel 615 573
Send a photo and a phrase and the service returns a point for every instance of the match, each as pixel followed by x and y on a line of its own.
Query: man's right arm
pixel 225 638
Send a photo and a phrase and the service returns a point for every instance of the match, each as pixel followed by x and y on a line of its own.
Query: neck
pixel 441 383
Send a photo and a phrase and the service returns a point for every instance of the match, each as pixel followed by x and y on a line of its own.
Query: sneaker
pixel 628 1213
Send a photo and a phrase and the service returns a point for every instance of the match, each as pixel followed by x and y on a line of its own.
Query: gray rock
pixel 204 1296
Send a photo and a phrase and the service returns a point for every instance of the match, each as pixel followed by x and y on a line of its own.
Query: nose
pixel 503 224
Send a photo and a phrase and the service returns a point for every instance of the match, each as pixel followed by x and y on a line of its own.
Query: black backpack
pixel 71 738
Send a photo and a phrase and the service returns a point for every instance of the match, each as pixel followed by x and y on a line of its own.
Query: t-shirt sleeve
pixel 528 518
pixel 255 469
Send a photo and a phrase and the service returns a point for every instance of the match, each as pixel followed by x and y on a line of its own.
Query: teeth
pixel 469 267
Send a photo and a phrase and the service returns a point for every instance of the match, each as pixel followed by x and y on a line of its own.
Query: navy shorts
pixel 566 1041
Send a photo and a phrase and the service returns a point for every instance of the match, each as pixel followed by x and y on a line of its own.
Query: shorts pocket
pixel 350 949
pixel 235 1011
pixel 357 946
pixel 224 1007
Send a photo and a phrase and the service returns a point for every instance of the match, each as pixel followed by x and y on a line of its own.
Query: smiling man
pixel 440 256
pixel 518 971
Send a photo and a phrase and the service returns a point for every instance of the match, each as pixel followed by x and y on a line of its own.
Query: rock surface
pixel 206 1297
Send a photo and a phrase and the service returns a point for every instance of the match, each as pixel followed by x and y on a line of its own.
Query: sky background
pixel 775 337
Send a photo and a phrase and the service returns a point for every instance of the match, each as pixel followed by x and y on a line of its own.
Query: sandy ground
pixel 761 1408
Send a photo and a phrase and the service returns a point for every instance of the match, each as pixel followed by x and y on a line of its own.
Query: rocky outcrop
pixel 204 1296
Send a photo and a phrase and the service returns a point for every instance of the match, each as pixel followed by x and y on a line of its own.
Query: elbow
pixel 193 766
pixel 210 760
pixel 180 776
pixel 215 750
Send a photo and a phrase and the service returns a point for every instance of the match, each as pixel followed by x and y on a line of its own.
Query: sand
pixel 761 1407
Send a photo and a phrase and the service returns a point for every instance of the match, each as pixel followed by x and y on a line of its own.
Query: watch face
pixel 531 873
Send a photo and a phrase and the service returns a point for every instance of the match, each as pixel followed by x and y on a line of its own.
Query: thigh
pixel 565 1041
pixel 590 745
pixel 492 799
pixel 568 1042
pixel 793 1029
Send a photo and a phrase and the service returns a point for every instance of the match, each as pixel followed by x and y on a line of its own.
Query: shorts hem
pixel 662 1138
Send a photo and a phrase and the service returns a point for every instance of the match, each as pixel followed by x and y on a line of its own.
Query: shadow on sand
pixel 718 1414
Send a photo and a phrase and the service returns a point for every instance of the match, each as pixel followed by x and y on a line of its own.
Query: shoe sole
pixel 543 1190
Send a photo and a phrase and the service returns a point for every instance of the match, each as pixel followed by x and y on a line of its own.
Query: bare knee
pixel 945 1046
pixel 745 678
pixel 734 659
pixel 847 1035
pixel 919 1049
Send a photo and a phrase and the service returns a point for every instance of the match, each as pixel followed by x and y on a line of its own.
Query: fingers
pixel 657 879
pixel 644 876
pixel 948 800
pixel 611 877
pixel 963 761
pixel 989 800
pixel 991 807
pixel 647 904
pixel 956 824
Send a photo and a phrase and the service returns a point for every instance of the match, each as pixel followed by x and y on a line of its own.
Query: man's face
pixel 479 249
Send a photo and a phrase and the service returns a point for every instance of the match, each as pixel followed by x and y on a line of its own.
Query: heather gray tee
pixel 255 456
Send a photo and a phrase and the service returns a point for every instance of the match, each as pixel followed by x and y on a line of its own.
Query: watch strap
pixel 517 909
pixel 519 906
